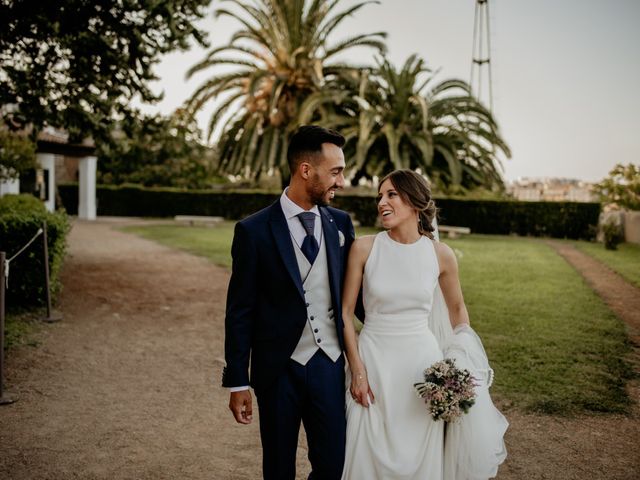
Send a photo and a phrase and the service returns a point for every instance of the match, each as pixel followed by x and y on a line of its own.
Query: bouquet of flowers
pixel 447 390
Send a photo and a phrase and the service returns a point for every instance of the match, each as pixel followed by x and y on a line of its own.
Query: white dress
pixel 395 438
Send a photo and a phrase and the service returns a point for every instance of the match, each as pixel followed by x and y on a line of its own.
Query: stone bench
pixel 453 232
pixel 198 220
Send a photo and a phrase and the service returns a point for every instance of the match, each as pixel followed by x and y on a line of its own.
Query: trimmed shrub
pixel 136 201
pixel 20 218
pixel 576 220
pixel 551 219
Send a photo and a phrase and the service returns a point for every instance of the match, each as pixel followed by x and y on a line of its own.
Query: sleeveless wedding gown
pixel 395 438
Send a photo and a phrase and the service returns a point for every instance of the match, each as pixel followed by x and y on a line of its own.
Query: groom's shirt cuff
pixel 238 389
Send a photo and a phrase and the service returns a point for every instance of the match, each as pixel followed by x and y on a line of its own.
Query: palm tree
pixel 467 142
pixel 283 73
pixel 445 132
pixel 386 120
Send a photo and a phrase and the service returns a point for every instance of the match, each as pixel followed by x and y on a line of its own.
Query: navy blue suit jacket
pixel 266 311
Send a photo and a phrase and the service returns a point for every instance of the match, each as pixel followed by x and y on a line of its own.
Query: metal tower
pixel 481 55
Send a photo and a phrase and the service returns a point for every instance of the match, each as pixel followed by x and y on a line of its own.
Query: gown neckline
pixel 386 232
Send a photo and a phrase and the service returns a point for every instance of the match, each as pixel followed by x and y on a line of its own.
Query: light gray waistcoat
pixel 320 330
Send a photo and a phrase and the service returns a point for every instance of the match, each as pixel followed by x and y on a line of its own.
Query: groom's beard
pixel 319 195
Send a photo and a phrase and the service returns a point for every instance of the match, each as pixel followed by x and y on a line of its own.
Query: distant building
pixel 551 190
pixel 59 161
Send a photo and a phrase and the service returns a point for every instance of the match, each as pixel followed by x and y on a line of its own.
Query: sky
pixel 566 73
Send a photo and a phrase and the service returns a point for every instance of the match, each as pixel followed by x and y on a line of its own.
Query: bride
pixel 414 316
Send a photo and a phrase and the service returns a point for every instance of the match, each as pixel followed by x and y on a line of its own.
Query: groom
pixel 284 313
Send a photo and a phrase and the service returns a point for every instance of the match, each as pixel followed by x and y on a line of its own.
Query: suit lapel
pixel 282 237
pixel 332 246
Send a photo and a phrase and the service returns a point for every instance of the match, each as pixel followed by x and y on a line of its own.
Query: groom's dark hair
pixel 307 142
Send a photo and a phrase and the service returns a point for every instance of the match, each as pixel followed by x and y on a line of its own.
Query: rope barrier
pixel 38 233
pixel 4 400
pixel 4 280
pixel 8 261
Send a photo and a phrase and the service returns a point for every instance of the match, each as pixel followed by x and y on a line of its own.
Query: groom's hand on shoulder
pixel 240 405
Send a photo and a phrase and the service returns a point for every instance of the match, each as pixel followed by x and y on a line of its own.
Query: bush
pixel 20 218
pixel 613 235
pixel 551 219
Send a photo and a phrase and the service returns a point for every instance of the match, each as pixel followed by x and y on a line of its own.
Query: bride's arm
pixel 353 280
pixel 450 285
pixel 474 445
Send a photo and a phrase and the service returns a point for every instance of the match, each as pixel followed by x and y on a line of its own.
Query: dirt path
pixel 127 385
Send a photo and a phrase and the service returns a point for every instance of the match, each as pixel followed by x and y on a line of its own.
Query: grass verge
pixel 21 328
pixel 625 260
pixel 555 346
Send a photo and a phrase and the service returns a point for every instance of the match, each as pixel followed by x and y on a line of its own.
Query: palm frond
pixel 364 40
pixel 325 30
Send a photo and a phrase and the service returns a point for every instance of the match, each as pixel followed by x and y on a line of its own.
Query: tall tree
pixel 78 64
pixel 394 119
pixel 468 145
pixel 284 55
pixel 621 187
pixel 156 151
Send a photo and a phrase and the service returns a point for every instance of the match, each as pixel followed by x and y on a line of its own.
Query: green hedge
pixel 552 219
pixel 20 218
pixel 577 220
pixel 167 202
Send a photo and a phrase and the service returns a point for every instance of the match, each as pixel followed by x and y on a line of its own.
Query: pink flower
pixel 447 391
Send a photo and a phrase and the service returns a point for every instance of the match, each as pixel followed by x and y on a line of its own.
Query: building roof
pixel 51 140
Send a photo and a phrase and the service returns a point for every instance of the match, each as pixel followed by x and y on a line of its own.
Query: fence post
pixel 50 318
pixel 3 400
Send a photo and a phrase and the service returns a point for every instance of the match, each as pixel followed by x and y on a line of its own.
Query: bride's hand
pixel 360 389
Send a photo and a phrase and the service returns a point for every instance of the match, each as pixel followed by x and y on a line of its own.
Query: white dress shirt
pixel 291 211
pixel 297 231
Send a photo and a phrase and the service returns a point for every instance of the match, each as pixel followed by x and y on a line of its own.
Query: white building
pixel 58 159
pixel 551 190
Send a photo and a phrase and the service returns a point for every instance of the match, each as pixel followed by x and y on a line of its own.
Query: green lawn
pixel 213 243
pixel 625 260
pixel 554 345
